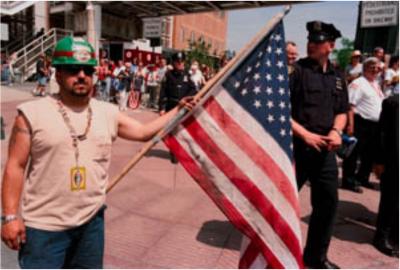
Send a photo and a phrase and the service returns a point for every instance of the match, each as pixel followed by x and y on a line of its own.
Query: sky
pixel 243 25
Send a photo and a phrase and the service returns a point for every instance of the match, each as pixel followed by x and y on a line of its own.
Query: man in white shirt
pixel 365 97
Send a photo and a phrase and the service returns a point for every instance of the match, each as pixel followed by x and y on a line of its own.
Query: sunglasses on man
pixel 75 69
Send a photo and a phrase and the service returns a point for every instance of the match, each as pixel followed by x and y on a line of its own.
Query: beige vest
pixel 48 202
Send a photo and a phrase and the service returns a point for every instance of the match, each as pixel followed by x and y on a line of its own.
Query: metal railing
pixel 26 58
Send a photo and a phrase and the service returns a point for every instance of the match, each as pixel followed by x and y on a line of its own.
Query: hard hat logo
pixel 82 55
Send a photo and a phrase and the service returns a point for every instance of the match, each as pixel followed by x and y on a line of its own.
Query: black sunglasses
pixel 73 70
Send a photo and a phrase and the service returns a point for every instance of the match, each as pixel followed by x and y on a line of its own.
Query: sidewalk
pixel 158 217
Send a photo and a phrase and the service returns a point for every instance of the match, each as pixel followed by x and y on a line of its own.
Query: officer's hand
pixel 334 140
pixel 162 112
pixel 188 103
pixel 13 234
pixel 316 141
pixel 378 169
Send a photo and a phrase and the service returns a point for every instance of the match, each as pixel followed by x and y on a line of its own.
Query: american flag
pixel 237 144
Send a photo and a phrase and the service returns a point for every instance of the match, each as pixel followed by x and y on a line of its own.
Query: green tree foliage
pixel 343 55
pixel 200 50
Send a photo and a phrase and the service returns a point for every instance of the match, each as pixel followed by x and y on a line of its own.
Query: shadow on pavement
pixel 158 153
pixel 220 234
pixel 354 222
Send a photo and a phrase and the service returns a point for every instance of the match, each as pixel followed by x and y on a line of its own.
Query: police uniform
pixel 175 85
pixel 317 96
pixel 387 225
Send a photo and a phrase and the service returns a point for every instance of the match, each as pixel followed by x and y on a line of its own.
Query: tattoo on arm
pixel 14 132
pixel 22 130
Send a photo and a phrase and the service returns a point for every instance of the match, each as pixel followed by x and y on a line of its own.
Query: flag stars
pixel 280 64
pixel 282 132
pixel 257 90
pixel 269 91
pixel 244 92
pixel 270 118
pixel 282 105
pixel 278 51
pixel 278 37
pixel 269 77
pixel 257 103
pixel 282 119
pixel 248 69
pixel 280 77
pixel 256 76
pixel 269 49
pixel 260 54
pixel 246 80
pixel 268 63
pixel 281 91
pixel 270 104
pixel 258 64
pixel 237 84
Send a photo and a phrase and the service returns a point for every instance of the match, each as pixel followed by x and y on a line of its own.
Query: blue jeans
pixel 80 247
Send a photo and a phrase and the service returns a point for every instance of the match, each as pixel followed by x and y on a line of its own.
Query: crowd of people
pixel 128 84
pixel 332 107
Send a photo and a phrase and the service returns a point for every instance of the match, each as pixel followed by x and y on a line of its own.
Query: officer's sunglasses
pixel 75 69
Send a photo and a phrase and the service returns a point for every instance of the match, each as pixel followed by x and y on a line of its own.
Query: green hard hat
pixel 74 51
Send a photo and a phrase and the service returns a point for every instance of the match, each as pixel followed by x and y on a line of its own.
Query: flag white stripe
pixel 243 206
pixel 259 262
pixel 262 137
pixel 251 170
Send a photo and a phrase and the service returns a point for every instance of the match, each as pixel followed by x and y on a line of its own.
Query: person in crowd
pixel 62 146
pixel 196 75
pixel 354 68
pixel 152 84
pixel 175 86
pixel 124 87
pixel 138 82
pixel 319 103
pixel 291 54
pixel 391 82
pixel 366 98
pixel 42 76
pixel 379 53
pixel 386 237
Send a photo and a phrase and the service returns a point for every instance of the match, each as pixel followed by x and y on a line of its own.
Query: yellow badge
pixel 78 178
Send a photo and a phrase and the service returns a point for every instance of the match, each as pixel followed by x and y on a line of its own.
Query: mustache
pixel 80 81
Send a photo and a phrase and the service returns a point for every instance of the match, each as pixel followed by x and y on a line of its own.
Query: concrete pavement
pixel 158 217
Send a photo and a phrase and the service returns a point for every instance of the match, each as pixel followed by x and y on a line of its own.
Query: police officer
pixel 319 106
pixel 386 237
pixel 176 84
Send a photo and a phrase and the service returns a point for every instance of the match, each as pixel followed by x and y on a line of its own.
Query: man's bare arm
pixel 13 233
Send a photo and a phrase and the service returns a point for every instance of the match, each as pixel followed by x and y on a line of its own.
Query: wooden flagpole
pixel 217 79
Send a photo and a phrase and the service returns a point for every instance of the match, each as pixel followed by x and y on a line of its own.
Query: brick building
pixel 210 27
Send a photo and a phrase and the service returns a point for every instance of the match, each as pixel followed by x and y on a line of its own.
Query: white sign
pixel 379 13
pixel 4 31
pixel 152 27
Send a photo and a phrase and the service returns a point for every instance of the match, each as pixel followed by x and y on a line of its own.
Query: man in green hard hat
pixel 55 218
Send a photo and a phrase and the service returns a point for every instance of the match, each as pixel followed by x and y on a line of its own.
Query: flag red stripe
pixel 246 186
pixel 221 201
pixel 245 142
pixel 249 256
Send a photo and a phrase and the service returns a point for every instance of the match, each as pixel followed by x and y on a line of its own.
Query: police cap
pixel 319 32
pixel 179 56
